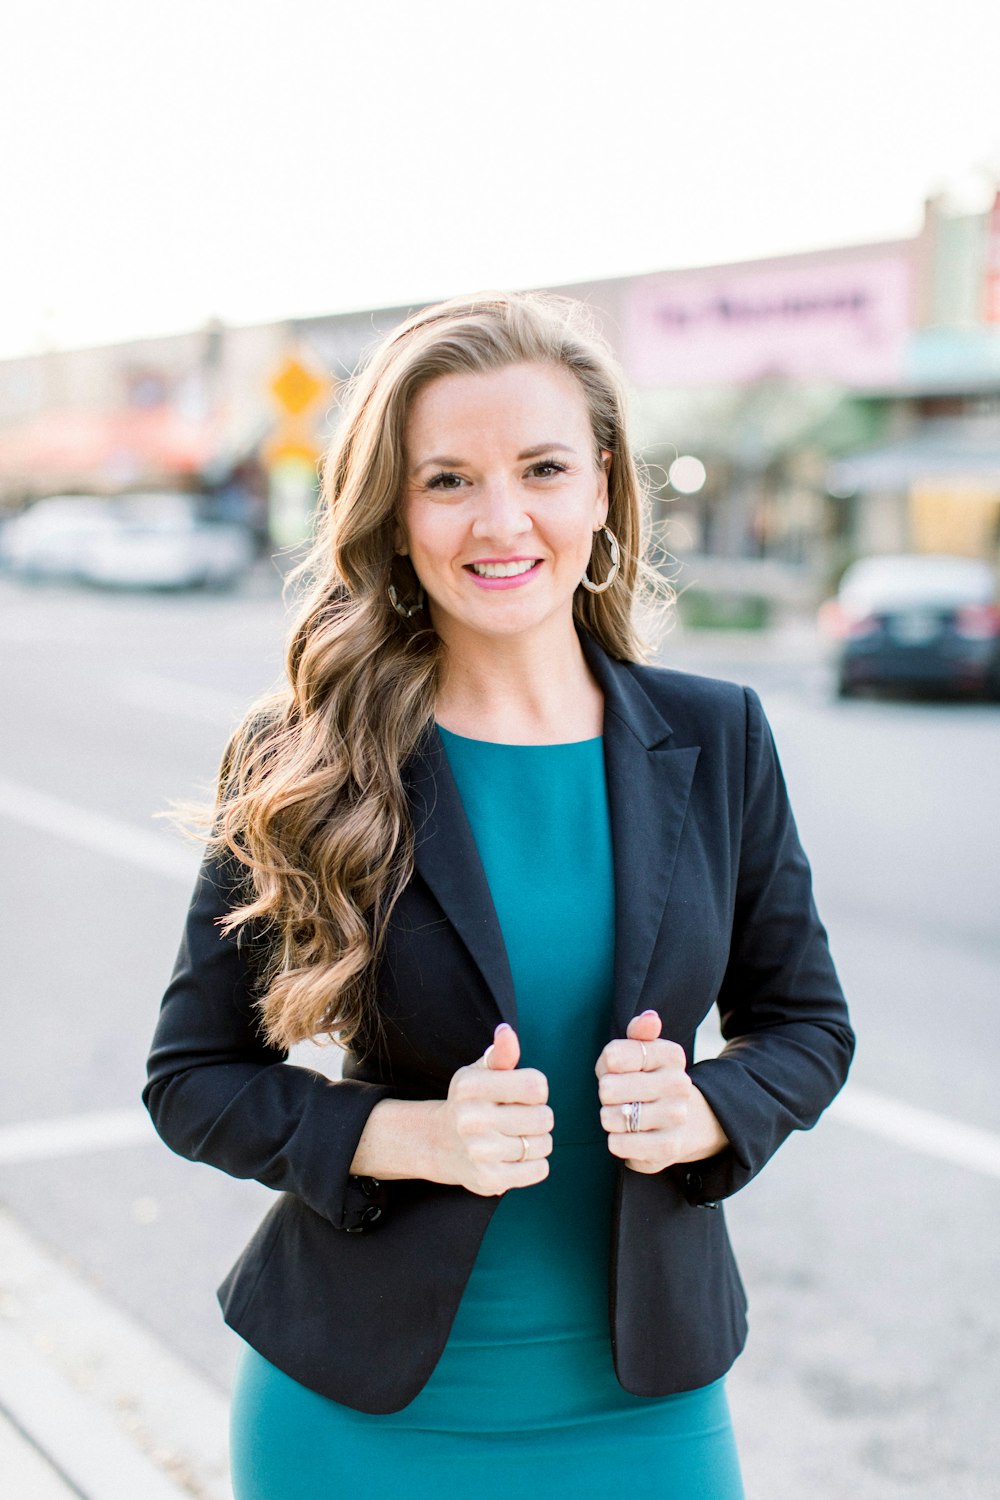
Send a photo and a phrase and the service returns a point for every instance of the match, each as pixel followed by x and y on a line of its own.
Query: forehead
pixel 541 402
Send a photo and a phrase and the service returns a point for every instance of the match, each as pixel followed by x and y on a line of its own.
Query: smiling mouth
pixel 503 569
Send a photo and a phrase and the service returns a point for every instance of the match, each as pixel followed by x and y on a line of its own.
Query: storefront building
pixel 794 413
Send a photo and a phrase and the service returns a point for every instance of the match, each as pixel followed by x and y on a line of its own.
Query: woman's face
pixel 502 497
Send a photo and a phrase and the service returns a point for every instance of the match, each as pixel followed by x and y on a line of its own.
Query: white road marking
pixel 74 1135
pixel 919 1130
pixel 98 832
pixel 168 695
pixel 117 1129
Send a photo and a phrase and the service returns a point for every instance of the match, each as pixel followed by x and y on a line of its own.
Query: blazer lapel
pixel 649 784
pixel 446 857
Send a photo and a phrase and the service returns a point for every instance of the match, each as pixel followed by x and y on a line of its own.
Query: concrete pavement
pixel 91 1405
pixel 27 1474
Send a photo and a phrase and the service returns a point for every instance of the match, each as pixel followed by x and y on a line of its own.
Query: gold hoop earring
pixel 404 610
pixel 598 588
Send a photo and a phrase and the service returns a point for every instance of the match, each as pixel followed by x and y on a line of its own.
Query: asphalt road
pixel 869 1247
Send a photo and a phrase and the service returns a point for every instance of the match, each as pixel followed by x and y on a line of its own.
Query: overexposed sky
pixel 162 163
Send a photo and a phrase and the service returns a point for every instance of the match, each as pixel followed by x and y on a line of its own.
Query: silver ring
pixel 642 1065
pixel 633 1116
pixel 524 1148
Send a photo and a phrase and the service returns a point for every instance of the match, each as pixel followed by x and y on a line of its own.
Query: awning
pixel 100 446
pixel 957 449
pixel 754 425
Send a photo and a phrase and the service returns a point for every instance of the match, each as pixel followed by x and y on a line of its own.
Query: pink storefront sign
pixel 991 284
pixel 845 321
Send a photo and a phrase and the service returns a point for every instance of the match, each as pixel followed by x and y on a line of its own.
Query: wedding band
pixel 633 1115
pixel 642 1065
pixel 524 1148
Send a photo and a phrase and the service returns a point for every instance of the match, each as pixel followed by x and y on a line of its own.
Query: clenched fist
pixel 673 1122
pixel 494 1130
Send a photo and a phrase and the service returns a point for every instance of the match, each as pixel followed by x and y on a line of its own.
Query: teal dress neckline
pixel 450 734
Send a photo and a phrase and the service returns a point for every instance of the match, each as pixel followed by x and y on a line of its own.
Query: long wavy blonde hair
pixel 312 802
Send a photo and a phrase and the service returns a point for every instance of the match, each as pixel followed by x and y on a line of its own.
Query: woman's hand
pixel 675 1122
pixel 493 1132
pixel 495 1127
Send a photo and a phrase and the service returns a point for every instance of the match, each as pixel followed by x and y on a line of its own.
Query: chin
pixel 506 623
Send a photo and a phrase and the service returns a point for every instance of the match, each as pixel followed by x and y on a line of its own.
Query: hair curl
pixel 312 802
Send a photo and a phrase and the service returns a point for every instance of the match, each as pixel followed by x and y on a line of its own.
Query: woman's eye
pixel 444 482
pixel 548 467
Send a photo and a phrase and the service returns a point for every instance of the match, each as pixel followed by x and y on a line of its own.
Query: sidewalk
pixel 26 1474
pixel 91 1405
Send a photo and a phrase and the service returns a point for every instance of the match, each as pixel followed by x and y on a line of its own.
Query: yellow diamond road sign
pixel 296 388
pixel 285 446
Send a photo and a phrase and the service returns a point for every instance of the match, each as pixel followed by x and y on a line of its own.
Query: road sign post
pixel 291 455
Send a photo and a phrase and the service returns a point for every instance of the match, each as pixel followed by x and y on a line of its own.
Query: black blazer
pixel 351 1286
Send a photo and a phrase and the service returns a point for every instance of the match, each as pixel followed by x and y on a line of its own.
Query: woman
pixel 511 871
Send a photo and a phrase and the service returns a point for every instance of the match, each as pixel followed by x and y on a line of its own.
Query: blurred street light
pixel 687 475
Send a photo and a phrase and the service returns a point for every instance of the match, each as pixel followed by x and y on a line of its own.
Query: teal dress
pixel 524 1400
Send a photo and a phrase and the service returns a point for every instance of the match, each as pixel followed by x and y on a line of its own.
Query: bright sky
pixel 170 160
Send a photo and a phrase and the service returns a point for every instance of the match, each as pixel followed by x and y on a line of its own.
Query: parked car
pixel 919 622
pixel 160 542
pixel 49 538
pixel 147 541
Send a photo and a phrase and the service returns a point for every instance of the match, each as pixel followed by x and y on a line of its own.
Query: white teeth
pixel 502 570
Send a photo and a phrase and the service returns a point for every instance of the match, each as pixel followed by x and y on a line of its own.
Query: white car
pixel 160 543
pixel 148 541
pixel 49 539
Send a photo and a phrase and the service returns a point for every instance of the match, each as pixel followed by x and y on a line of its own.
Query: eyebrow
pixel 444 461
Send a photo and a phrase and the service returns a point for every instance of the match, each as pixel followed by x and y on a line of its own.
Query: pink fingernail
pixel 504 1026
pixel 650 1012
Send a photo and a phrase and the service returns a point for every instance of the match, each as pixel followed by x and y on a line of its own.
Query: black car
pixel 919 622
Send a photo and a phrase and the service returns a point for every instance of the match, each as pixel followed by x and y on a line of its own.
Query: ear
pixel 601 498
pixel 399 543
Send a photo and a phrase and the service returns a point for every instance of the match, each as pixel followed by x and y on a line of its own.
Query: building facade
pixel 829 405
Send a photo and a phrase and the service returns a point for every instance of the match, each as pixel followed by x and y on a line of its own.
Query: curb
pixel 83 1386
pixel 27 1474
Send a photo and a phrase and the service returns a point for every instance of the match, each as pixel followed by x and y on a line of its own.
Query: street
pixel 868 1247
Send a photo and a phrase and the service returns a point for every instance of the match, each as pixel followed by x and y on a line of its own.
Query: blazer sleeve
pixel 782 1012
pixel 218 1093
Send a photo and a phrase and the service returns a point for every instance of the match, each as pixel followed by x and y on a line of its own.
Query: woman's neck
pixel 520 692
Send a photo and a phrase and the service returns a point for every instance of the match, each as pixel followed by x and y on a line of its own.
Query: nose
pixel 501 513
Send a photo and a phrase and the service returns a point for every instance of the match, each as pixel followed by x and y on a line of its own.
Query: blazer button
pixel 369 1215
pixel 693 1182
